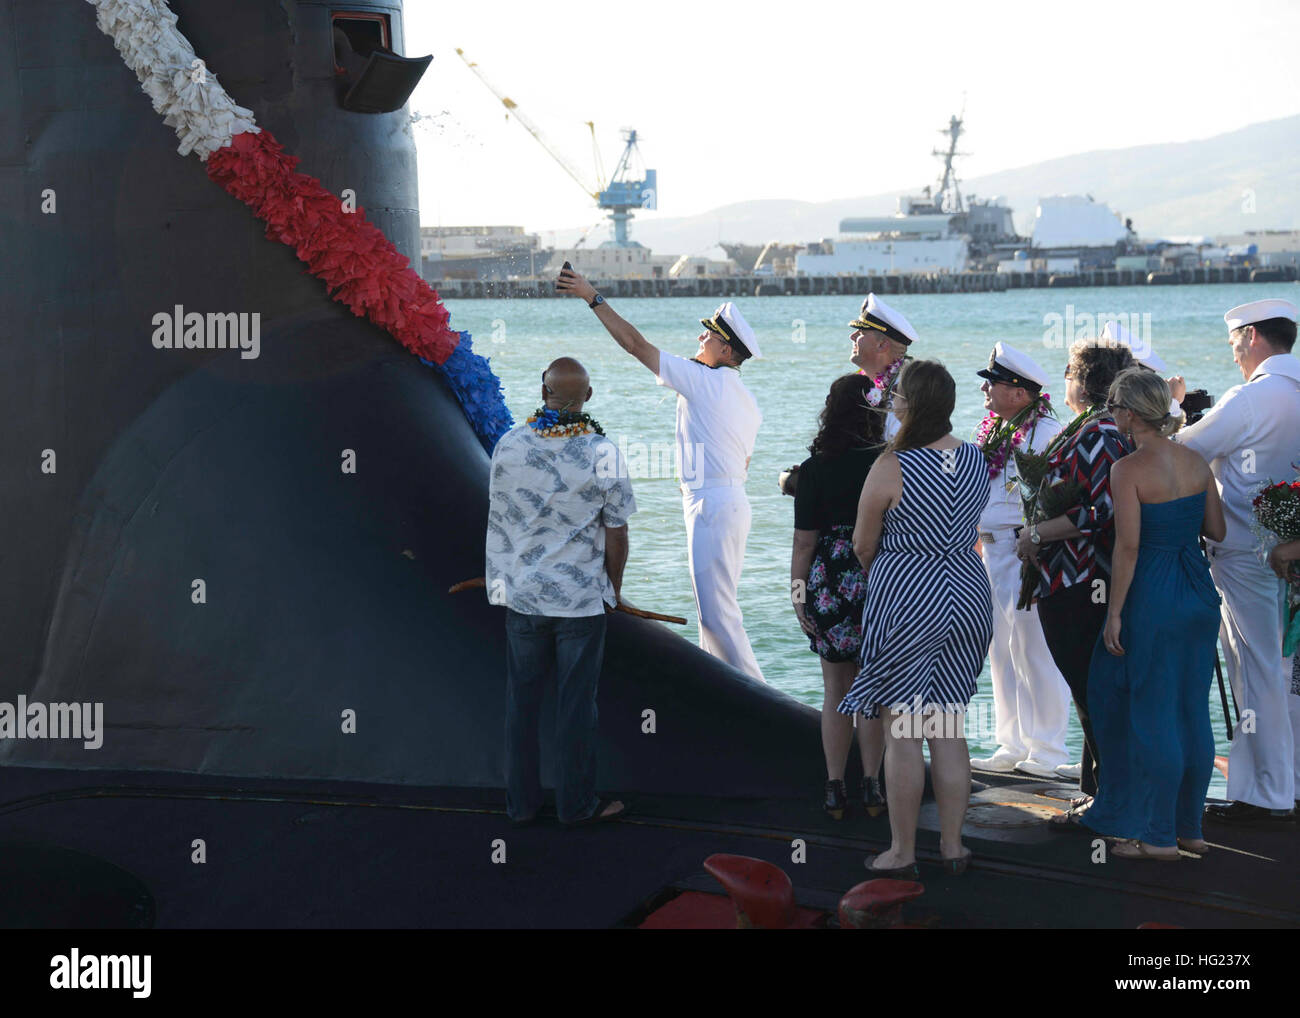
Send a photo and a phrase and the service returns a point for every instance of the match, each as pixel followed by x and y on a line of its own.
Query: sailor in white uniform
pixel 1031 701
pixel 1252 436
pixel 881 336
pixel 717 426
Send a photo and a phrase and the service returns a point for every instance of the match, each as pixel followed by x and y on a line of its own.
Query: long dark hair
pixel 931 395
pixel 848 421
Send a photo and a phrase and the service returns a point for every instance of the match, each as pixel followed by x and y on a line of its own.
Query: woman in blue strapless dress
pixel 1149 684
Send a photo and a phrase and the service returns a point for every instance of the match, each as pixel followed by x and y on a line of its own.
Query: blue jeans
pixel 572 650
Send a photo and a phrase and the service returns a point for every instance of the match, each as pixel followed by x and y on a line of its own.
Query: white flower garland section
pixel 180 85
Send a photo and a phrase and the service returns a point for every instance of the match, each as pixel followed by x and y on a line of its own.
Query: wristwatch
pixel 1034 537
pixel 595 301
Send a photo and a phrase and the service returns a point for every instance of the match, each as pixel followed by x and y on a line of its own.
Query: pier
pixel 897 283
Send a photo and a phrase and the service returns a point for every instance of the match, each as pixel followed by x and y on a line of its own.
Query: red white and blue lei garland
pixel 359 265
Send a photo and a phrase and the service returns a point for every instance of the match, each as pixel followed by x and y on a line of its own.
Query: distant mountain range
pixel 1196 188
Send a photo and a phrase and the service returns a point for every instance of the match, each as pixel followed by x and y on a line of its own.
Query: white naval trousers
pixel 1261 766
pixel 1031 701
pixel 717 525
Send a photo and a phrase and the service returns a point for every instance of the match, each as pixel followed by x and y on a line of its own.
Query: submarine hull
pixel 246 560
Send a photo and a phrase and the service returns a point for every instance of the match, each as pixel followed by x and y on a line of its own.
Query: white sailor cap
pixel 730 324
pixel 1259 311
pixel 1141 348
pixel 878 315
pixel 1007 364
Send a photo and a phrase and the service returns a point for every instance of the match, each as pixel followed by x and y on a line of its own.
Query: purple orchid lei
pixel 881 383
pixel 997 438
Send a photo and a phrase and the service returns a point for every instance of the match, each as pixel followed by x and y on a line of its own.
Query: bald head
pixel 565 385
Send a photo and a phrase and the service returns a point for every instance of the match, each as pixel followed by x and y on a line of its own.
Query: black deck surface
pixel 303 854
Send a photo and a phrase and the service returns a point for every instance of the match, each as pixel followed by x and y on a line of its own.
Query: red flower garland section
pixel 358 264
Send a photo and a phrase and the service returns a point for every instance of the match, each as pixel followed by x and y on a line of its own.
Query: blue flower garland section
pixel 478 390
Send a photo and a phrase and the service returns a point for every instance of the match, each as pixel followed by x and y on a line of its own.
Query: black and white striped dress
pixel 928 617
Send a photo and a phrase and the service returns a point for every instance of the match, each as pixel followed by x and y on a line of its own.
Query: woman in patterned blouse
pixel 1073 550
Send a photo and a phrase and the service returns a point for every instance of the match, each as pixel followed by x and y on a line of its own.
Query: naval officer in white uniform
pixel 881 337
pixel 1031 701
pixel 1252 436
pixel 717 425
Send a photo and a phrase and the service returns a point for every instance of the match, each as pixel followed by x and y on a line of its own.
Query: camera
pixel 1195 403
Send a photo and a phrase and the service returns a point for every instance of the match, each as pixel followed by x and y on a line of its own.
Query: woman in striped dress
pixel 928 618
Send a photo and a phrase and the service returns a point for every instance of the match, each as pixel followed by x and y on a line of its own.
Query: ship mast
pixel 949 188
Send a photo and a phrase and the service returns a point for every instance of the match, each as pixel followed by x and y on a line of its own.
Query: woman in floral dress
pixel 827 585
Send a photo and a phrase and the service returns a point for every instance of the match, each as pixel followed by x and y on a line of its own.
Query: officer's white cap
pixel 1015 367
pixel 1259 311
pixel 1142 352
pixel 730 324
pixel 878 315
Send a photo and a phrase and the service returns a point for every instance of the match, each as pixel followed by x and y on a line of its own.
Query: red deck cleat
pixel 877 904
pixel 761 892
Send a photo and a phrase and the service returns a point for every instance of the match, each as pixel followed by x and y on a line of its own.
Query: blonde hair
pixel 1146 395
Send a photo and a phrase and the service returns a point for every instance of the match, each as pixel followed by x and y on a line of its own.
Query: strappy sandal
pixel 1135 849
pixel 1194 845
pixel 908 872
pixel 1069 821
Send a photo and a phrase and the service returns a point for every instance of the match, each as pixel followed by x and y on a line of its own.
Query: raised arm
pixel 1219 433
pixel 625 334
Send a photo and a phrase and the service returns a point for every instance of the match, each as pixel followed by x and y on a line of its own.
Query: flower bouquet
pixel 1042 500
pixel 1277 512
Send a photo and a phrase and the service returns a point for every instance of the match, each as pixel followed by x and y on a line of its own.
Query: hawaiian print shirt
pixel 549 502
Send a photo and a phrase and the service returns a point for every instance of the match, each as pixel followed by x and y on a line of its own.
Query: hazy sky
pixel 817 100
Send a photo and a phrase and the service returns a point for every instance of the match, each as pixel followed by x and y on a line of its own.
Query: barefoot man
pixel 717 424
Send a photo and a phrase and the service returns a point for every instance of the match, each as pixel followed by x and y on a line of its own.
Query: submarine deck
pixel 284 854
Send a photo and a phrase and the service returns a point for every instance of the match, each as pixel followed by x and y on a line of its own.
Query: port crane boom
pixel 528 125
pixel 620 195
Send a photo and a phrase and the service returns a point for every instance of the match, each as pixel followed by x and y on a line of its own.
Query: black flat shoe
pixel 908 872
pixel 837 799
pixel 873 797
pixel 956 867
pixel 1243 814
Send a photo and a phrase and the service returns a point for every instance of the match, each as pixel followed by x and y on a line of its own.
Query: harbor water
pixel 805 343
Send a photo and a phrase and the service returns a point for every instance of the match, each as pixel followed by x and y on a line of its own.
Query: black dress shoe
pixel 1243 814
pixel 837 799
pixel 873 797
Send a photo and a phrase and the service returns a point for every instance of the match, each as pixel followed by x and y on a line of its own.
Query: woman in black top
pixel 826 581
